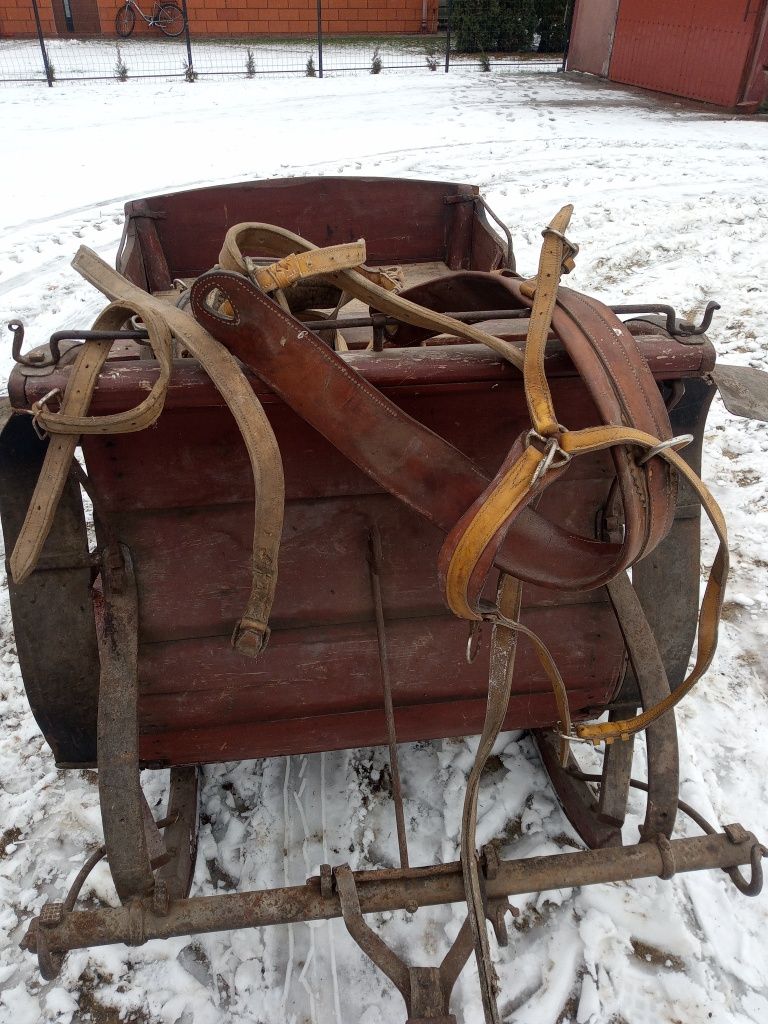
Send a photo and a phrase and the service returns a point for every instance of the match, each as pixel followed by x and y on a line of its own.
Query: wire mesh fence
pixel 54 42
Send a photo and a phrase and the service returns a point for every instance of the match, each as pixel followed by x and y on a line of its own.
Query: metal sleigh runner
pixel 392 490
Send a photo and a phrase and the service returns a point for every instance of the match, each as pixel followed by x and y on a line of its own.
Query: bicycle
pixel 166 16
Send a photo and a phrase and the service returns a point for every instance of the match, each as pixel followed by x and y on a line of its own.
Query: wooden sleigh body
pixel 358 618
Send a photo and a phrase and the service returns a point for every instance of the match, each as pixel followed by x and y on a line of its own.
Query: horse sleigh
pixel 380 461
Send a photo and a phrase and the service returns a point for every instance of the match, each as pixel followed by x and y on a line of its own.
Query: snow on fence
pixel 457 42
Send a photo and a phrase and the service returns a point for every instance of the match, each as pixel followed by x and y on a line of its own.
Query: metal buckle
pixel 570 249
pixel 38 408
pixel 552 451
pixel 674 442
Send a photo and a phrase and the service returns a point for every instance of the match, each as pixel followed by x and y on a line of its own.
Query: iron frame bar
pixel 383 890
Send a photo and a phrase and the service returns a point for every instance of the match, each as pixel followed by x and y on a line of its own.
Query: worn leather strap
pixel 275 241
pixel 296 266
pixel 501 671
pixel 278 241
pixel 543 290
pixel 251 632
pixel 70 421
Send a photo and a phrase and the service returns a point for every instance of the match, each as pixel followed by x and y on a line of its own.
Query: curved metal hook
pixel 706 320
pixel 754 886
pixel 37 358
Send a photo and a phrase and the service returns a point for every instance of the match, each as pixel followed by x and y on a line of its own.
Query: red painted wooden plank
pixel 238 741
pixel 324 210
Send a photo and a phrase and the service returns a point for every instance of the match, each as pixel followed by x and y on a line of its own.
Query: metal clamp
pixel 668 869
pixel 50 961
pixel 681 441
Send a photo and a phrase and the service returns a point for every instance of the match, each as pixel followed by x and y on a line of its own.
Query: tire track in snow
pixel 310 988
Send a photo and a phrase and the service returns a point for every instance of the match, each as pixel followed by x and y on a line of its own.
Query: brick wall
pixel 17 18
pixel 248 17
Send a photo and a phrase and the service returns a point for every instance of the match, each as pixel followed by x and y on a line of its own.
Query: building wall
pixel 693 48
pixel 246 17
pixel 711 50
pixel 18 19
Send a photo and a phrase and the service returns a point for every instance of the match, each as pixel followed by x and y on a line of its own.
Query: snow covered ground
pixel 671 205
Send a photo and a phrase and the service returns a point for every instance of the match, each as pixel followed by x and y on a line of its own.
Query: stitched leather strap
pixel 436 480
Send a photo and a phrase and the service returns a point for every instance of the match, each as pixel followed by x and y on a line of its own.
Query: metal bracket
pixel 426 990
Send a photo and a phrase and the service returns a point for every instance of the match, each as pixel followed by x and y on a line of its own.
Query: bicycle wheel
pixel 125 20
pixel 170 20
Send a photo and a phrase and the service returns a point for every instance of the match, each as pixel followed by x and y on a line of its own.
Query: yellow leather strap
pixel 296 266
pixel 500 502
pixel 592 439
pixel 69 422
pixel 556 257
pixel 88 365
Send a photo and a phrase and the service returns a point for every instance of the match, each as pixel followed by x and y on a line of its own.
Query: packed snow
pixel 670 206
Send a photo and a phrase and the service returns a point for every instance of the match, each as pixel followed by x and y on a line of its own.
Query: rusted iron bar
pixel 672 325
pixel 375 559
pixel 385 890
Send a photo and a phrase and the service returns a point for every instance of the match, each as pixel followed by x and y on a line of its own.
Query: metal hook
pixel 706 320
pixel 37 357
pixel 738 834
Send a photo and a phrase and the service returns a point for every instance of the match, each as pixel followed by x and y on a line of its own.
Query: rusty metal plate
pixel 744 390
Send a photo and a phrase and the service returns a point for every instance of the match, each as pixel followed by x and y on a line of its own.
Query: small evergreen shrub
pixel 121 68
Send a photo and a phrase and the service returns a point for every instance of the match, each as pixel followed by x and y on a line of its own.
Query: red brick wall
pixel 249 17
pixel 17 18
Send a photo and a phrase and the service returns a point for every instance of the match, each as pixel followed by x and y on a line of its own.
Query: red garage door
pixel 693 48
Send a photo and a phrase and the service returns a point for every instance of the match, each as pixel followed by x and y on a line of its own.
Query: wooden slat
pixel 336 732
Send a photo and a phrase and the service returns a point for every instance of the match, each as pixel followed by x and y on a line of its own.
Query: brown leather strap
pixel 437 480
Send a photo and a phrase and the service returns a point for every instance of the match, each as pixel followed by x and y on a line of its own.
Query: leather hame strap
pixel 529 469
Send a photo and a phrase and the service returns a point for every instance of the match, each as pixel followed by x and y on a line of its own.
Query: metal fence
pixel 461 34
